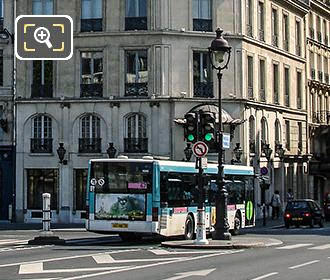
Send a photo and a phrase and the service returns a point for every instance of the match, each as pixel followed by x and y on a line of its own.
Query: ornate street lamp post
pixel 61 152
pixel 219 53
pixel 111 151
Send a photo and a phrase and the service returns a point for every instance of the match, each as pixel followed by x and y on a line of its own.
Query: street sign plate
pixel 204 162
pixel 200 149
pixel 225 140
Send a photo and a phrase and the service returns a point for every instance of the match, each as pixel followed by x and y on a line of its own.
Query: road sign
pixel 200 149
pixel 264 170
pixel 204 162
pixel 225 140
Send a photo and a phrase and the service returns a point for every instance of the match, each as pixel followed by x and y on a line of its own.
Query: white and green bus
pixel 136 197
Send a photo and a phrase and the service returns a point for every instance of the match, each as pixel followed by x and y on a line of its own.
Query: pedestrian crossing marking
pixel 13 241
pixel 160 252
pixel 321 247
pixel 106 258
pixel 294 246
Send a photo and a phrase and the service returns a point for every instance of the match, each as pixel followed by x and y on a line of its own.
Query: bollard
pixel 46 212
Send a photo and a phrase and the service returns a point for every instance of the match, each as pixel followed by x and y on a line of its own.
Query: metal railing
pixel 93 24
pixel 135 145
pixel 90 145
pixel 42 91
pixel 136 23
pixel 136 89
pixel 200 24
pixel 41 145
pixel 203 89
pixel 91 90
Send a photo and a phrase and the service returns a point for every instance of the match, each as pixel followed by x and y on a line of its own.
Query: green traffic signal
pixel 190 137
pixel 208 136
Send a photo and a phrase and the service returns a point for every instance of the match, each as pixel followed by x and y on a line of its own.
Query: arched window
pixel 252 135
pixel 264 130
pixel 278 138
pixel 41 141
pixel 136 140
pixel 90 134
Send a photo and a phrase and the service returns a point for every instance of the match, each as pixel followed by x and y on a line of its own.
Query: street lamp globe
pixel 218 50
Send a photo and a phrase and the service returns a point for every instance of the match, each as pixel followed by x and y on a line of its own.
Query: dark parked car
pixel 303 212
pixel 327 206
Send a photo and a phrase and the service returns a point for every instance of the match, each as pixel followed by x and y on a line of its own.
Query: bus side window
pixel 163 187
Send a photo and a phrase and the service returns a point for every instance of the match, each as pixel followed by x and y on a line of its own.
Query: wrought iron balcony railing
pixel 275 40
pixel 136 23
pixel 135 145
pixel 91 90
pixel 136 89
pixel 41 145
pixel 92 24
pixel 313 76
pixel 90 145
pixel 200 24
pixel 203 89
pixel 42 91
pixel 249 30
pixel 262 35
pixel 320 74
pixel 311 32
pixel 250 92
pixel 262 94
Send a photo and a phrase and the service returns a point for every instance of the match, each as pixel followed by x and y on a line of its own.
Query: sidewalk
pixel 279 223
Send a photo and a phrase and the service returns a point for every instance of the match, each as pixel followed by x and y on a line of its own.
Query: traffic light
pixel 207 127
pixel 191 129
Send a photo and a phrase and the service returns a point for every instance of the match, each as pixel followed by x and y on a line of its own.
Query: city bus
pixel 136 197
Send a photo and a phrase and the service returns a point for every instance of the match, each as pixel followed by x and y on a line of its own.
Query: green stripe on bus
pixel 249 210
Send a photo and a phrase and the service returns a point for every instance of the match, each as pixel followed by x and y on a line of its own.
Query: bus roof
pixel 183 166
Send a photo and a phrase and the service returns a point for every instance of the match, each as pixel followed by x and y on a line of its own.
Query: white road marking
pixel 13 241
pixel 265 276
pixel 37 268
pixel 288 247
pixel 150 265
pixel 181 275
pixel 303 264
pixel 159 252
pixel 108 259
pixel 321 247
pixel 67 258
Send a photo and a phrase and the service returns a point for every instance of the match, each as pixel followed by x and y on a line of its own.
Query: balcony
pixel 286 45
pixel 136 89
pixel 319 36
pixel 311 32
pixel 249 30
pixel 275 40
pixel 136 23
pixel 203 89
pixel 41 91
pixel 91 90
pixel 320 76
pixel 262 94
pixel 90 145
pixel 135 145
pixel 313 76
pixel 41 145
pixel 250 92
pixel 93 24
pixel 200 24
pixel 262 35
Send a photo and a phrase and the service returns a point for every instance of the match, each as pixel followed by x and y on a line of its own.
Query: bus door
pixel 249 203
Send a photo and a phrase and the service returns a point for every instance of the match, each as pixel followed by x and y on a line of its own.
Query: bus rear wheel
pixel 189 229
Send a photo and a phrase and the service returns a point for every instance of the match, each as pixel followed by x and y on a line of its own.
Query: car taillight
pixel 287 215
pixel 307 214
pixel 155 214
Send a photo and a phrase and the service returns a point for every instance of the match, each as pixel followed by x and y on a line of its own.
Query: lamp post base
pixel 221 235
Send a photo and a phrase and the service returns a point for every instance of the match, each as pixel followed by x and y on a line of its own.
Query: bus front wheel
pixel 189 229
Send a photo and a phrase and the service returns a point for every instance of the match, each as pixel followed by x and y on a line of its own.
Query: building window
pixel 91 74
pixel 90 141
pixel 319 67
pixel 202 15
pixel 312 65
pixel 262 82
pixel 42 141
pixel 299 89
pixel 203 86
pixel 80 183
pixel 41 181
pixel 250 76
pixel 1 68
pixel 136 140
pixel 287 135
pixel 1 15
pixel 252 135
pixel 274 28
pixel 326 36
pixel 136 15
pixel 91 15
pixel 300 142
pixel 264 131
pixel 136 73
pixel 261 21
pixel 275 84
pixel 286 34
pixel 311 25
pixel 286 86
pixel 326 69
pixel 42 78
pixel 298 38
pixel 278 137
pixel 318 29
pixel 42 7
pixel 249 18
